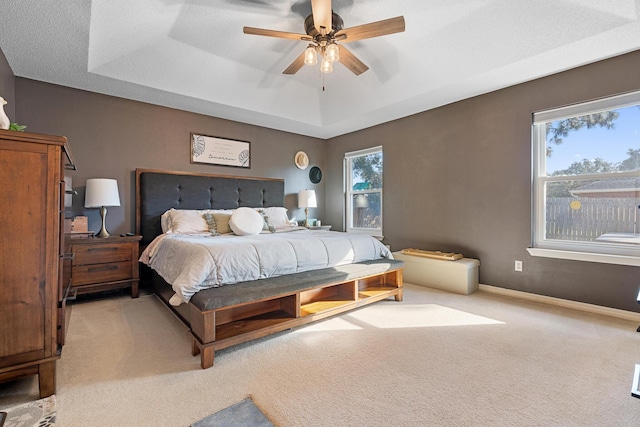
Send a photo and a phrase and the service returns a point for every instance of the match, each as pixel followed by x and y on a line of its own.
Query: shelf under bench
pixel 229 315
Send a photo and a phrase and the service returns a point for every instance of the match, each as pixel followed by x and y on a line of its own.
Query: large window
pixel 363 191
pixel 587 181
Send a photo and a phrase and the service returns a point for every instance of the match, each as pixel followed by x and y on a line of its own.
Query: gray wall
pixel 458 178
pixel 110 137
pixel 7 87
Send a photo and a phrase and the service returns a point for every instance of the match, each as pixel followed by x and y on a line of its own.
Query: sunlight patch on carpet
pixel 244 413
pixel 418 316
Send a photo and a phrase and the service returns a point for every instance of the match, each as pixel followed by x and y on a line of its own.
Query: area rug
pixel 244 413
pixel 41 413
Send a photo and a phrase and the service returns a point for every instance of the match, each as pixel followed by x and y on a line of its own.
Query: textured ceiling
pixel 192 54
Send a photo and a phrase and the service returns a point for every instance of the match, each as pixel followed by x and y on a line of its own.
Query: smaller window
pixel 363 192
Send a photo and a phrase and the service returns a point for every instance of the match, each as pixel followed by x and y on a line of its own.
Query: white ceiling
pixel 192 54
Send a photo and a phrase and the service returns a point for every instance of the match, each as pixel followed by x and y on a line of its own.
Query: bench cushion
pixel 256 290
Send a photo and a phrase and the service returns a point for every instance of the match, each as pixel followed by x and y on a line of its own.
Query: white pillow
pixel 186 221
pixel 276 217
pixel 166 220
pixel 246 222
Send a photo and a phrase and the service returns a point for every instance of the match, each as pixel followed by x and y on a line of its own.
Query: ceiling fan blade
pixel 373 29
pixel 350 61
pixel 321 10
pixel 273 33
pixel 295 65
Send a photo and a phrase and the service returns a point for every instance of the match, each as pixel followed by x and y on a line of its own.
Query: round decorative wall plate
pixel 315 174
pixel 301 160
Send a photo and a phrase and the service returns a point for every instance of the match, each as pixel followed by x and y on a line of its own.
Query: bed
pixel 265 292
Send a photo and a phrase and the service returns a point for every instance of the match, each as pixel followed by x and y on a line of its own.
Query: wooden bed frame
pixel 221 317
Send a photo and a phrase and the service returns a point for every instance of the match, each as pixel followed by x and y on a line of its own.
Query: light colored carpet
pixel 436 359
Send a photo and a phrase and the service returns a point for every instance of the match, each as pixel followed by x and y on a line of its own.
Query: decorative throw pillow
pixel 267 225
pixel 211 222
pixel 246 222
pixel 222 221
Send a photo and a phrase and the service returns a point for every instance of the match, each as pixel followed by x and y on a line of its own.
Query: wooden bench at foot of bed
pixel 221 317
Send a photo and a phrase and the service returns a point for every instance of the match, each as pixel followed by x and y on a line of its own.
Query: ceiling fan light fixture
pixel 310 56
pixel 332 53
pixel 326 66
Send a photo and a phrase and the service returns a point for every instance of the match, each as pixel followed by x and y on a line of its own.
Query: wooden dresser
pixel 101 263
pixel 34 264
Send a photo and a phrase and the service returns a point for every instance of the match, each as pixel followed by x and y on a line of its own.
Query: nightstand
pixel 319 227
pixel 103 263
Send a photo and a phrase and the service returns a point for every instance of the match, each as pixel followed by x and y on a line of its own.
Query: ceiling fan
pixel 324 29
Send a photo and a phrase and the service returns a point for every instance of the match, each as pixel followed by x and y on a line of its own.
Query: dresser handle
pixel 103 268
pixel 112 248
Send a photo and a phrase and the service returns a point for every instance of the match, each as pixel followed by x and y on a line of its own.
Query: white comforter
pixel 191 263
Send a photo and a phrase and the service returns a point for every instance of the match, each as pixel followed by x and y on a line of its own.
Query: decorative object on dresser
pixel 306 200
pixel 4 120
pixel 78 227
pixel 103 264
pixel 34 265
pixel 100 193
pixel 5 123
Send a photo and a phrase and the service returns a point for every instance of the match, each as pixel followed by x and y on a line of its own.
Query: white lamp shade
pixel 361 201
pixel 307 199
pixel 101 192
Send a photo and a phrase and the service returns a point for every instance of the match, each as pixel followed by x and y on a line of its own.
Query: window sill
pixel 585 256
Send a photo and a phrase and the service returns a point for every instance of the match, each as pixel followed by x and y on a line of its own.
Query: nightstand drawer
pixel 104 253
pixel 96 273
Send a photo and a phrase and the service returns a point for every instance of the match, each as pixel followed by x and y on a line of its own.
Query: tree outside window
pixel 364 191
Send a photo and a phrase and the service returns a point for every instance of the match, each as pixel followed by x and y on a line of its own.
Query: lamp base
pixel 103 231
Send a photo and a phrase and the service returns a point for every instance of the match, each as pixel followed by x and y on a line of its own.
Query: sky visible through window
pixel 608 144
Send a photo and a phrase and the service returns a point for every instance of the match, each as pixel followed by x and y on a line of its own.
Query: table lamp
pixel 306 200
pixel 100 193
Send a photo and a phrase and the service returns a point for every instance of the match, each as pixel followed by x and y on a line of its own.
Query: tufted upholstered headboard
pixel 158 191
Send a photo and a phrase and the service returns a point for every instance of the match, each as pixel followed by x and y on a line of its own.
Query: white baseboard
pixel 591 308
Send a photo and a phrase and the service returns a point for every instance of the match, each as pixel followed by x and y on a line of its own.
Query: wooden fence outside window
pixel 586 218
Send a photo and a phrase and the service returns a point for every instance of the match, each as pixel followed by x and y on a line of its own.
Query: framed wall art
pixel 220 151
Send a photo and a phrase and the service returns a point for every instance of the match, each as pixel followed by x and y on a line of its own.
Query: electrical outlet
pixel 518 265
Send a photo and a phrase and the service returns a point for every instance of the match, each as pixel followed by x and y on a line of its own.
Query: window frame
pixel 349 192
pixel 611 253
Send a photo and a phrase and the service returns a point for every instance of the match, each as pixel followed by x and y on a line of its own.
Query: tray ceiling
pixel 192 54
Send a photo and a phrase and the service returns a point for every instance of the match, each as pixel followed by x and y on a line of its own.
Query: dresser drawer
pixel 103 253
pixel 97 273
